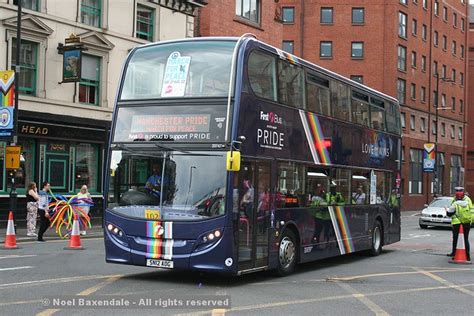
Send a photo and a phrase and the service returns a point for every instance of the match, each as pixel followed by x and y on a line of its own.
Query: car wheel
pixel 377 233
pixel 287 252
pixel 423 226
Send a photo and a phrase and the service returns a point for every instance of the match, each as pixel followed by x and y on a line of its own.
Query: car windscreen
pixel 441 203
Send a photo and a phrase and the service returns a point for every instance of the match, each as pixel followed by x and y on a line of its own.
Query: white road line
pixel 17 256
pixel 16 268
pixel 58 280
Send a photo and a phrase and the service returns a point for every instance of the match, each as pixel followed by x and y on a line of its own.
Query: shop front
pixel 63 150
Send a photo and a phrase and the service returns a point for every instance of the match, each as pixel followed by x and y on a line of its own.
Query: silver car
pixel 435 213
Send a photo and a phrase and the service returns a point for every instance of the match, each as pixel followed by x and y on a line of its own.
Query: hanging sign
pixel 429 158
pixel 7 102
pixel 72 59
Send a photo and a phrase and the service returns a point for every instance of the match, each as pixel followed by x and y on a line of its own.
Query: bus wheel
pixel 377 232
pixel 287 253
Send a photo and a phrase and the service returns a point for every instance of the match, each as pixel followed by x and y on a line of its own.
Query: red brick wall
pixel 470 113
pixel 218 18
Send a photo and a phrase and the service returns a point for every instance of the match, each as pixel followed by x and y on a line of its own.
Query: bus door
pixel 254 212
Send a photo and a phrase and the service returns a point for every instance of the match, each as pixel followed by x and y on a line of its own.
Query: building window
pixel 413 91
pixel 403 2
pixel 357 50
pixel 435 38
pixel 453 104
pixel 453 75
pixel 28 4
pixel 415 185
pixel 289 46
pixel 28 66
pixel 402 120
pixel 401 90
pixel 145 19
pixel 434 127
pixel 89 85
pixel 435 68
pixel 87 166
pixel 423 94
pixel 455 175
pixel 461 79
pixel 443 129
pixel 414 27
pixel 402 58
pixel 462 51
pixel 358 78
pixel 445 14
pixel 425 4
pixel 455 19
pixel 325 49
pixel 358 15
pixel 423 124
pixel 423 32
pixel 461 106
pixel 443 100
pixel 440 173
pixel 91 12
pixel 460 133
pixel 288 15
pixel 463 26
pixel 423 63
pixel 445 42
pixel 248 10
pixel 412 122
pixel 413 59
pixel 453 48
pixel 436 8
pixel 452 131
pixel 443 71
pixel 326 15
pixel 402 24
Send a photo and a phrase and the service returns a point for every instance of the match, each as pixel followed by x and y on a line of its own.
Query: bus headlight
pixel 117 233
pixel 207 239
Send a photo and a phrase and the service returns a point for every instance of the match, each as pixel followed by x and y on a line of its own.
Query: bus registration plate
pixel 166 264
pixel 152 214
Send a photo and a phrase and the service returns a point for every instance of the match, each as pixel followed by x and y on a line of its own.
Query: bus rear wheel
pixel 287 252
pixel 377 233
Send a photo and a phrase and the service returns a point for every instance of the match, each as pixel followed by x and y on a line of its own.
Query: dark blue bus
pixel 229 155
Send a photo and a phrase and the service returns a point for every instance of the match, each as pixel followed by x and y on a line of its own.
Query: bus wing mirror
pixel 233 161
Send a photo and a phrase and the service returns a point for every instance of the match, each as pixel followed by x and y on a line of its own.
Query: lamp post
pixel 436 175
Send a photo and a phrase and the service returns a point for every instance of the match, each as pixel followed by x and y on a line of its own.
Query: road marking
pixel 218 312
pixel 364 276
pixel 16 268
pixel 59 280
pixel 59 240
pixel 446 282
pixel 376 309
pixel 86 292
pixel 17 256
pixel 20 302
pixel 325 299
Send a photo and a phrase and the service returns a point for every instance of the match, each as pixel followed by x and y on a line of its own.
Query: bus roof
pixel 277 51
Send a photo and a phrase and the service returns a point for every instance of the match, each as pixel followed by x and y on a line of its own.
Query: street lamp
pixel 436 175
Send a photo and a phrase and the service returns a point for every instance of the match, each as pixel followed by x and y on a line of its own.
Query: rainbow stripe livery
pixel 315 137
pixel 160 244
pixel 341 229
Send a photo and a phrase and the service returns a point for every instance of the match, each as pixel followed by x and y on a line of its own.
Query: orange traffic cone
pixel 460 254
pixel 10 239
pixel 75 241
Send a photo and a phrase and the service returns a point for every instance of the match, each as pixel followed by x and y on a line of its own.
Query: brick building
pixel 409 49
pixel 470 131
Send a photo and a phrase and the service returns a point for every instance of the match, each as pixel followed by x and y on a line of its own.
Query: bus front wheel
pixel 377 235
pixel 287 253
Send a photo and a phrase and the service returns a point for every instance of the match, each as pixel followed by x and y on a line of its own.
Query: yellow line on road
pixel 48 312
pixel 376 309
pixel 446 282
pixel 218 312
pixel 365 276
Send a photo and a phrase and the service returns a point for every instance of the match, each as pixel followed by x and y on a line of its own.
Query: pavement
pixel 20 232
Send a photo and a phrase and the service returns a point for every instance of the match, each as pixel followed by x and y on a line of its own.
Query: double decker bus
pixel 229 155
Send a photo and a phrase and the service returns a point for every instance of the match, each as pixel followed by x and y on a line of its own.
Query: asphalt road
pixel 410 277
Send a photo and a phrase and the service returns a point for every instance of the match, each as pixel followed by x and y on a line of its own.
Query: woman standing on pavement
pixel 32 198
pixel 43 210
pixel 84 193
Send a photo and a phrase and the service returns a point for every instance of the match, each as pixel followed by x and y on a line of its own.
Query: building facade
pixel 412 50
pixel 63 127
pixel 470 130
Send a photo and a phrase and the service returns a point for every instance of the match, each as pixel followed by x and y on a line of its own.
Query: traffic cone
pixel 10 238
pixel 460 254
pixel 75 241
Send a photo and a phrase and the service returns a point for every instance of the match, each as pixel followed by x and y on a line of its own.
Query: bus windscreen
pixel 186 69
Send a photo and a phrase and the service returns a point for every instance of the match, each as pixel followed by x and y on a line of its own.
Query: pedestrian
pixel 43 209
pixel 460 212
pixel 84 194
pixel 32 198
